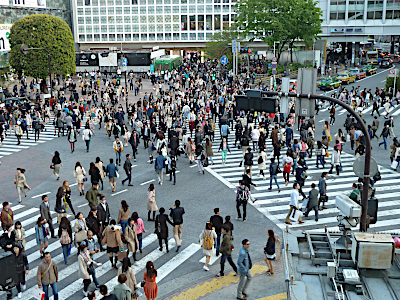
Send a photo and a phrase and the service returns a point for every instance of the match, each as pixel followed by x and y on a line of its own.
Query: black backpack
pixel 260 160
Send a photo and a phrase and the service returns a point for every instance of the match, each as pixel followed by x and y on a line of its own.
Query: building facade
pixel 138 24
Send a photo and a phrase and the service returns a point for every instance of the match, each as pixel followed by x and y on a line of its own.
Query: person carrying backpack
pixel 207 240
pixel 242 197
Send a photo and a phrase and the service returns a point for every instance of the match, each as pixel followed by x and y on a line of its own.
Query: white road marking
pixel 37 196
pixel 146 182
pixel 120 192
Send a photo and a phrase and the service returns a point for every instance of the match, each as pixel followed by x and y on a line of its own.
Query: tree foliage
pixel 42 31
pixel 279 21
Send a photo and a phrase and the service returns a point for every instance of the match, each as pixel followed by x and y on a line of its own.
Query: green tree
pixel 279 22
pixel 42 31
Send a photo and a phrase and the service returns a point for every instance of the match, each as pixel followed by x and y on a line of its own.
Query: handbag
pixel 59 216
pixel 38 293
pixel 90 269
pixel 116 173
pixel 80 236
pixel 84 179
pixel 296 215
pixel 394 164
pixel 122 255
pixel 52 167
pixel 323 198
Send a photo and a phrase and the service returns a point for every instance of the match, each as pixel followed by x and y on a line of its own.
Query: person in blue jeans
pixel 385 133
pixel 273 173
pixel 244 265
pixel 47 275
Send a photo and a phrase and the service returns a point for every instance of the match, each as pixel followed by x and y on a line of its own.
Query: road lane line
pixel 37 196
pixel 146 182
pixel 120 192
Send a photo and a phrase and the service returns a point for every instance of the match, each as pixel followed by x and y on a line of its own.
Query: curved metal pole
pixel 364 198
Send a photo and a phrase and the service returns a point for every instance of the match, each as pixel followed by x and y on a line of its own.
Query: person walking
pixel 127 270
pixel 226 251
pixel 261 160
pixel 104 292
pixel 56 164
pixel 21 270
pixel 384 134
pixel 150 285
pixel 244 265
pixel 112 238
pixel 103 213
pixel 210 152
pixel 118 148
pixel 159 165
pixel 20 235
pixel 176 213
pixel 287 166
pixel 151 202
pixel 87 135
pixel 47 275
pixel 87 268
pixel 294 203
pixel 46 214
pixel 94 174
pixel 80 176
pixel 72 139
pixel 134 142
pixel 323 198
pixel 335 160
pixel 207 241
pixel 312 203
pixel 128 170
pixel 65 236
pixel 121 290
pixel 131 238
pixel 161 228
pixel 67 197
pixel 139 228
pixel 248 160
pixel 172 168
pixel 112 173
pixel 41 235
pixel 273 174
pixel 99 165
pixel 7 215
pixel 80 229
pixel 123 215
pixel 21 184
pixel 269 251
pixel 224 147
pixel 92 196
pixel 242 197
pixel 217 221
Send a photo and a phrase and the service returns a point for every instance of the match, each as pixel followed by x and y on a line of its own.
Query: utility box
pixel 306 84
pixel 372 251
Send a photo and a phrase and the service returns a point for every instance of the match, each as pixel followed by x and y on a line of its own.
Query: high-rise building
pixel 130 24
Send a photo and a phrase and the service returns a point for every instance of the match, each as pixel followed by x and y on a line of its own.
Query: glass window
pixel 81 29
pixel 167 1
pixel 209 36
pixel 209 1
pixel 88 11
pixel 356 10
pixel 97 38
pixel 184 25
pixel 200 1
pixel 160 19
pixel 134 2
pixel 110 2
pixel 143 37
pixel 158 1
pixel 104 37
pixel 167 36
pixel 209 22
pixel 200 8
pixel 103 20
pixel 152 37
pixel 118 2
pixel 142 2
pixel 80 11
pixel 151 19
pixel 160 27
pixel 143 28
pixel 217 22
pixel 168 27
pixel 127 2
pixel 127 19
pixel 209 9
pixel 111 10
pixel 111 37
pixel 175 19
pixel 160 37
pixel 152 28
pixel 375 9
pixel 81 20
pixel 89 29
pixel 225 8
pixel 120 28
pixel 127 28
pixel 143 19
pixel 96 20
pixel 392 9
pixel 79 2
pixel 111 28
pixel 118 11
pixel 175 2
pixel 135 28
pixel 119 19
pixel 176 36
pixel 193 36
pixel 150 9
pixel 103 28
pixel 103 11
pixel 192 22
pixel 159 9
pixel 167 19
pixel 135 10
pixel 200 36
pixel 128 37
pixel 88 20
pixel 150 2
pixel 338 9
pixel 200 22
pixel 184 9
pixel 95 11
pixel 120 37
pixel 135 19
pixel 167 9
pixel 192 1
pixel 217 8
pixel 184 36
pixel 81 37
pixel 175 9
pixel 175 27
pixel 184 1
pixel 96 28
pixel 192 9
pixel 111 20
pixel 89 38
pixel 102 2
pixel 135 37
pixel 143 10
pixel 225 22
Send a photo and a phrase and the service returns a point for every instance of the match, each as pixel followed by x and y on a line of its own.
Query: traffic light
pixel 213 77
pixel 254 101
pixel 118 80
pixel 245 50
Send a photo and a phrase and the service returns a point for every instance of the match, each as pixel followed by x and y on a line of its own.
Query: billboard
pixel 4 33
pixel 5 2
pixel 87 59
pixel 136 59
pixel 108 60
pixel 29 3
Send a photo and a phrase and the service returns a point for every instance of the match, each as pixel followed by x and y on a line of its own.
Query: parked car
pixel 370 70
pixel 386 63
pixel 359 73
pixel 346 78
pixel 328 83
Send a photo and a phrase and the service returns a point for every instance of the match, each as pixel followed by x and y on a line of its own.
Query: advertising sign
pixel 4 33
pixel 108 60
pixel 87 59
pixel 4 2
pixel 29 3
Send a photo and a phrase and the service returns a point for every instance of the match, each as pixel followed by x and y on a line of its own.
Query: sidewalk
pixel 261 287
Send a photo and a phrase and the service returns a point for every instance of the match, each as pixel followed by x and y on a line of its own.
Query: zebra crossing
pixel 393 110
pixel 70 284
pixel 275 205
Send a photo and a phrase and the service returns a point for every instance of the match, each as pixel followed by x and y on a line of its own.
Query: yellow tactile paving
pixel 216 284
pixel 281 296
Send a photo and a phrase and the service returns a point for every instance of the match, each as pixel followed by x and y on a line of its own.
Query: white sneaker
pixel 206 268
pixel 19 295
pixel 23 287
pixel 85 293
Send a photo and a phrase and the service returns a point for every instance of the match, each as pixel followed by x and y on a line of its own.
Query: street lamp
pixel 24 50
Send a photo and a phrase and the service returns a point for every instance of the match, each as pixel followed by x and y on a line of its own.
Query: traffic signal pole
pixel 367 161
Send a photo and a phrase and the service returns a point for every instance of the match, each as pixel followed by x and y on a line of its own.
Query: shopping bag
pixel 304 205
pixel 122 255
pixel 394 164
pixel 38 293
pixel 348 137
pixel 296 215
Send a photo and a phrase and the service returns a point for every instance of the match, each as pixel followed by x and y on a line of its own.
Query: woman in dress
pixel 72 139
pixel 56 164
pixel 112 238
pixel 19 235
pixel 190 148
pixel 269 252
pixel 131 238
pixel 41 233
pixel 207 240
pixel 80 175
pixel 161 228
pixel 150 286
pixel 151 202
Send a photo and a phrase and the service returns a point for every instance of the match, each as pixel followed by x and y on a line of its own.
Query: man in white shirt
pixel 294 203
